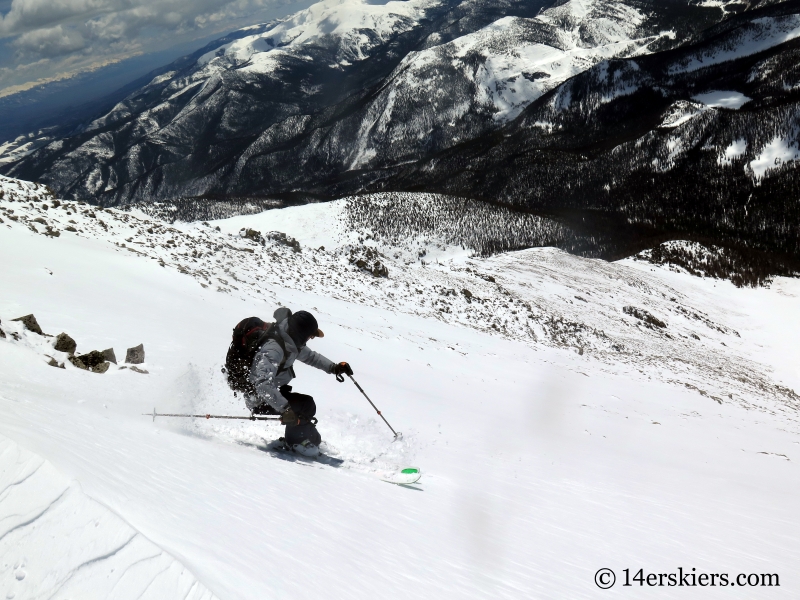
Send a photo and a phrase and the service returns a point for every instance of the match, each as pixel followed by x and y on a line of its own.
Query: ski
pixel 279 447
pixel 407 476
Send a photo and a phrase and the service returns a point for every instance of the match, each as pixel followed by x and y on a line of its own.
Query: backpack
pixel 248 337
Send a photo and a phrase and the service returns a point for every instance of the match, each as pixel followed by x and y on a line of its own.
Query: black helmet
pixel 302 327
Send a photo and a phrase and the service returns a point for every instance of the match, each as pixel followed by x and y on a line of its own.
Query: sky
pixel 42 41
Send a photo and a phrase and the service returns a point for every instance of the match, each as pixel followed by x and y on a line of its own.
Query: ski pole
pixel 250 418
pixel 397 435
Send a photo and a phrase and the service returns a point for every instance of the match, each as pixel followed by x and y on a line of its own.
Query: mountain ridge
pixel 133 164
pixel 458 99
pixel 605 147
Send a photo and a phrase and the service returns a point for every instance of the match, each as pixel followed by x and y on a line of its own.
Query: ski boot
pixel 306 448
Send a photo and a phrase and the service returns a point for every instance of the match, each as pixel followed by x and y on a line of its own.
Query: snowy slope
pixel 762 34
pixel 522 295
pixel 56 542
pixel 21 146
pixel 541 465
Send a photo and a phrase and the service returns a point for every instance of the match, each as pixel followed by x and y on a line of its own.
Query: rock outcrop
pixel 30 323
pixel 64 343
pixel 135 356
pixel 94 361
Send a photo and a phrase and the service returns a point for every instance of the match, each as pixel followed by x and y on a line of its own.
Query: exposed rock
pixel 251 234
pixel 282 238
pixel 64 343
pixel 109 355
pixel 135 356
pixel 77 362
pixel 368 259
pixel 30 323
pixel 138 370
pixel 2 333
pixel 93 361
pixel 641 314
pixel 54 363
pixel 101 368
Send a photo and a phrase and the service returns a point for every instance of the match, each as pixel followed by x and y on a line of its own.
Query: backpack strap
pixel 273 334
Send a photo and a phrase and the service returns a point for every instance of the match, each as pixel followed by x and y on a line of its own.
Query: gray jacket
pixel 264 373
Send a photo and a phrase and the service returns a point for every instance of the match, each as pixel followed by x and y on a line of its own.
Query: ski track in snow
pixel 57 543
pixel 556 432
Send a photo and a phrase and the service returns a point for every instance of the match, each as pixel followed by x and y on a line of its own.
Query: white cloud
pixel 50 41
pixel 28 15
pixel 54 39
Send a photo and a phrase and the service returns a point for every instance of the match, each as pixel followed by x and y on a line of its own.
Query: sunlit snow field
pixel 540 465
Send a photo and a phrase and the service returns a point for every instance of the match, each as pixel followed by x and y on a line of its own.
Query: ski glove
pixel 342 367
pixel 289 417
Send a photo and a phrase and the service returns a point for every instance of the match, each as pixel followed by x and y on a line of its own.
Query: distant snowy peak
pixel 591 23
pixel 326 101
pixel 519 59
pixel 23 145
pixel 485 79
pixel 513 61
pixel 337 33
pixel 703 137
pixel 357 26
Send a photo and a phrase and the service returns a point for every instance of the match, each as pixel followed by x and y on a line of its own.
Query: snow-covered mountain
pixel 701 140
pixel 568 414
pixel 627 122
pixel 326 100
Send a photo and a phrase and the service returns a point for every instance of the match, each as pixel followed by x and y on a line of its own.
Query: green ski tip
pixel 405 476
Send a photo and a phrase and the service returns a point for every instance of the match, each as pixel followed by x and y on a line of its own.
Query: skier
pixel 272 370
